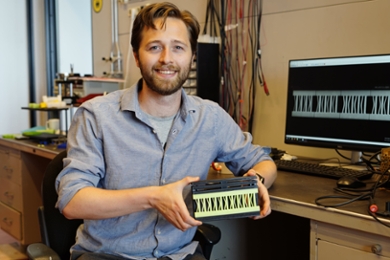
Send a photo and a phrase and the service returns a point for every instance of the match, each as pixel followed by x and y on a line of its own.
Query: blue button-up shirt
pixel 112 145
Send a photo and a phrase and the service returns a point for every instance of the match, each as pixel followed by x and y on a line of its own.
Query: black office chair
pixel 58 233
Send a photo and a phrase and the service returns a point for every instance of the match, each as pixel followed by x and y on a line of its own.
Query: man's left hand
pixel 264 200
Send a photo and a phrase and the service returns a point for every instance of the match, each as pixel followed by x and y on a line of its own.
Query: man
pixel 133 153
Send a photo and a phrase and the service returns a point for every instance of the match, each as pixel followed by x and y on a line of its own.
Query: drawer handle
pixel 7 221
pixel 9 171
pixel 9 195
pixel 376 249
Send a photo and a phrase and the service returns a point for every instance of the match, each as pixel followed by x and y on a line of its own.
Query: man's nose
pixel 166 56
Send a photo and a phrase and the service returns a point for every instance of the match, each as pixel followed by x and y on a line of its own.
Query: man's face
pixel 165 56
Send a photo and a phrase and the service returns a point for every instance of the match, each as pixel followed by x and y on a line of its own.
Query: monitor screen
pixel 340 102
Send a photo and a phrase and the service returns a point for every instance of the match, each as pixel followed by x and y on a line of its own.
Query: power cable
pixel 351 195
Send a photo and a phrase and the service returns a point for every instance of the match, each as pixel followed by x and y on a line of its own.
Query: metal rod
pixel 51 44
pixel 116 57
pixel 31 58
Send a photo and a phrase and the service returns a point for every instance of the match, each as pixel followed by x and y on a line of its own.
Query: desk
pixel 344 231
pixel 297 224
pixel 22 165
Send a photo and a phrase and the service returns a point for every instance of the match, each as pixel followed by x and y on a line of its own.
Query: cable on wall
pixel 238 23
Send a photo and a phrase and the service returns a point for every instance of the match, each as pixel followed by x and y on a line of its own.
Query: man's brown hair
pixel 147 16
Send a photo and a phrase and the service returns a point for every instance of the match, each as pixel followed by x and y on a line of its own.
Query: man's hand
pixel 264 200
pixel 170 203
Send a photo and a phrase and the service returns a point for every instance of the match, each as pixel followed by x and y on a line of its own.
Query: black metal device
pixel 225 198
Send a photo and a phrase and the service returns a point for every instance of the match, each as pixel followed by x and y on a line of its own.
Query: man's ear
pixel 193 60
pixel 136 58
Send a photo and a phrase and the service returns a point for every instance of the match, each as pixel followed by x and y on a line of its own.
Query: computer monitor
pixel 339 102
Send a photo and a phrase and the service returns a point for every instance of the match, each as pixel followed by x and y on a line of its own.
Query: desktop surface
pixel 295 194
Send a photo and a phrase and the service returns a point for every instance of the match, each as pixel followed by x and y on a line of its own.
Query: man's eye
pixel 153 48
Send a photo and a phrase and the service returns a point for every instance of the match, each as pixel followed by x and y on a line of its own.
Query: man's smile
pixel 167 72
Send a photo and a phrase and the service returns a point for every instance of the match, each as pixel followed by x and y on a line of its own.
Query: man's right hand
pixel 169 202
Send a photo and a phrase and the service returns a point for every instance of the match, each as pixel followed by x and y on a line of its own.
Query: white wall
pixel 13 67
pixel 74 36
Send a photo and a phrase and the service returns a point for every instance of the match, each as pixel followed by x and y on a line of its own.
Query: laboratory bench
pixel 297 228
pixel 346 232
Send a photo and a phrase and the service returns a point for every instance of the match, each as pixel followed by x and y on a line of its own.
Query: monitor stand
pixel 353 164
pixel 356 157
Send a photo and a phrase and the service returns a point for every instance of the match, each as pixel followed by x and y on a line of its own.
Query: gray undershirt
pixel 162 125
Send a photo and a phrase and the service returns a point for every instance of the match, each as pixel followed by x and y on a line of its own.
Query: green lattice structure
pixel 225 198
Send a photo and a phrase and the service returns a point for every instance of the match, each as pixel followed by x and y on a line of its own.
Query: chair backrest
pixel 57 231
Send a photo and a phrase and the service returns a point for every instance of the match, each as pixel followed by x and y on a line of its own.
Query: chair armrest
pixel 38 251
pixel 208 235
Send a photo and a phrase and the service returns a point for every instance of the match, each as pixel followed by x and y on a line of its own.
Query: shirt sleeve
pixel 84 164
pixel 236 148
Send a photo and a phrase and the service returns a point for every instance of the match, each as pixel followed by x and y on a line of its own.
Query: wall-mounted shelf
pixel 47 108
pixel 53 109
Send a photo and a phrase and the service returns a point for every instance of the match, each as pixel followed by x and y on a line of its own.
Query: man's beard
pixel 165 87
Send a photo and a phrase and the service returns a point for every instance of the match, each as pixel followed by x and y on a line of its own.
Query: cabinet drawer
pixel 327 250
pixel 11 194
pixel 10 165
pixel 10 221
pixel 350 240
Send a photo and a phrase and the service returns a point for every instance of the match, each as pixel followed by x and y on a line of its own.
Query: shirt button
pixel 163 181
pixel 154 131
pixel 174 131
pixel 159 232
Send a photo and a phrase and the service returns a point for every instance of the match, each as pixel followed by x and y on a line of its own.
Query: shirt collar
pixel 129 101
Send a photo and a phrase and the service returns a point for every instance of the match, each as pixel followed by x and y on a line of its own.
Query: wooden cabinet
pixel 340 243
pixel 11 221
pixel 11 194
pixel 9 165
pixel 21 175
